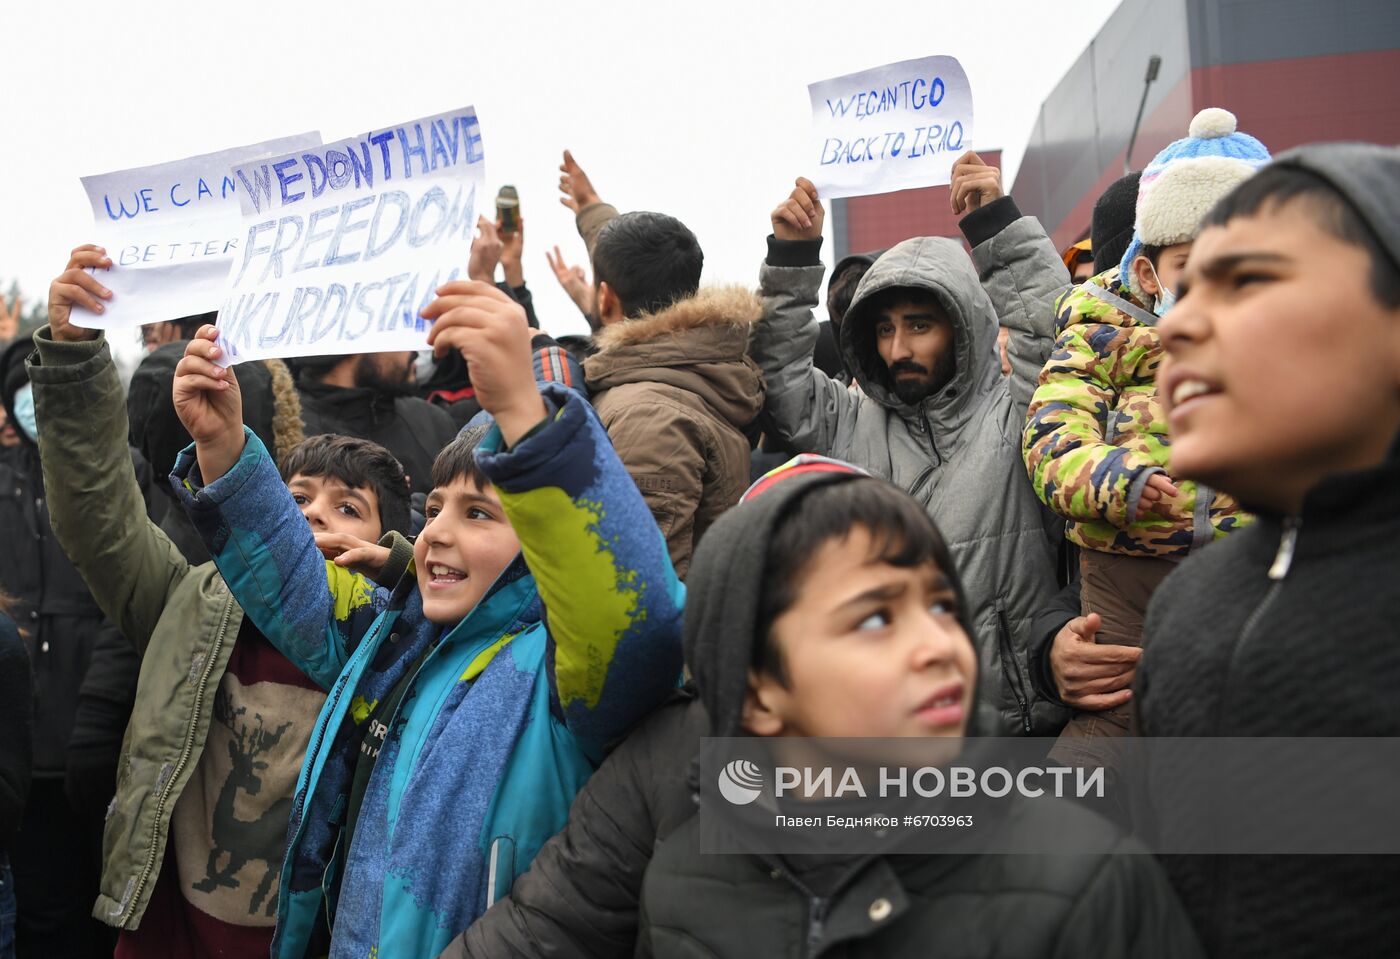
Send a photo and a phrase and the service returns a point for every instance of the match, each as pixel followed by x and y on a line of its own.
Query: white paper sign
pixel 344 246
pixel 171 231
pixel 896 127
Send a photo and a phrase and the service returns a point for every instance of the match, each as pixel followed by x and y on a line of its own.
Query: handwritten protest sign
pixel 344 245
pixel 171 230
pixel 892 128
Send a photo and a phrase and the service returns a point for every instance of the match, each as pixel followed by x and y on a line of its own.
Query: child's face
pixel 1171 263
pixel 1281 367
pixel 465 545
pixel 869 649
pixel 330 506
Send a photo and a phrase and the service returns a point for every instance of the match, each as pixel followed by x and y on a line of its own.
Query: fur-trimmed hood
pixel 699 344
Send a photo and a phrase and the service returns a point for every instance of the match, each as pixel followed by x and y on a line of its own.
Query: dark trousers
pixel 56 861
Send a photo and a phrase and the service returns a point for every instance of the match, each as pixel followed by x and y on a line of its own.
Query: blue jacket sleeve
pixel 612 600
pixel 310 609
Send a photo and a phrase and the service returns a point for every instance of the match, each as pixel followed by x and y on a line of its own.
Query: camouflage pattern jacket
pixel 1097 431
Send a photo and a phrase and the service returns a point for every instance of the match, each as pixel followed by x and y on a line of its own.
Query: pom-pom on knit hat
pixel 1186 179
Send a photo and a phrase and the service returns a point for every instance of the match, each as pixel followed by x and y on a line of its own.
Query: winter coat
pixel 511 716
pixel 580 896
pixel 676 392
pixel 16 714
pixel 1097 432
pixel 180 619
pixel 105 700
pixel 959 451
pixel 1290 627
pixel 61 621
pixel 1108 901
pixel 412 429
pixel 182 615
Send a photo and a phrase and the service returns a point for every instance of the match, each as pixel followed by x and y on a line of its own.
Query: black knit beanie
pixel 1112 226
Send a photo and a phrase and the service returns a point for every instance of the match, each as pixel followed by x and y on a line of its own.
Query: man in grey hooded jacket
pixel 945 431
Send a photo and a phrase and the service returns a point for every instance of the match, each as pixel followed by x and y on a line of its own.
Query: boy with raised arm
pixel 459 724
pixel 195 833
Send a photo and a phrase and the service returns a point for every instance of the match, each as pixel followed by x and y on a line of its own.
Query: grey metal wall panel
pixel 1226 32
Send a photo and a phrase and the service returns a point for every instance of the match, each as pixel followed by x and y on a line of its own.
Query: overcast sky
pixel 697 109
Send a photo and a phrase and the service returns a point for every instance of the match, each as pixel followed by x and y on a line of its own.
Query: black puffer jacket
pixel 16 713
pixel 410 428
pixel 1290 627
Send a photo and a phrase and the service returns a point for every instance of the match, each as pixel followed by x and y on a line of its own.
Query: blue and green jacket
pixel 507 715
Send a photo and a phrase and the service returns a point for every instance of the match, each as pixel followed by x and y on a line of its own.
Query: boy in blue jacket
pixel 469 704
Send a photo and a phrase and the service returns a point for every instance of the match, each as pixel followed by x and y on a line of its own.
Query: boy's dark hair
pixel 458 460
pixel 650 260
pixel 901 532
pixel 359 464
pixel 1277 186
pixel 1153 253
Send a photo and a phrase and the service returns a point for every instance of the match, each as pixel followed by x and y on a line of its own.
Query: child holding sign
pixel 459 725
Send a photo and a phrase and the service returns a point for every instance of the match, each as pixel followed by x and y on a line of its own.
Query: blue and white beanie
pixel 1186 179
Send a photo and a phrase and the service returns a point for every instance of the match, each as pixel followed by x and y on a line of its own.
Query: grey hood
pixel 1365 175
pixel 941 267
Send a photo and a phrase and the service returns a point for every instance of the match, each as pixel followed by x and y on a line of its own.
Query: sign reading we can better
pixel 344 245
pixel 895 127
pixel 171 230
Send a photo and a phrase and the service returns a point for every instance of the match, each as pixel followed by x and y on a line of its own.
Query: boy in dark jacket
pixel 825 604
pixel 1282 387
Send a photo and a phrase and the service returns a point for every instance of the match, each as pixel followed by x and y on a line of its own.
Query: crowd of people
pixel 410 655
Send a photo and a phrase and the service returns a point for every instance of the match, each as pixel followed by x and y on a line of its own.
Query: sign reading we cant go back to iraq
pixel 896 127
pixel 344 245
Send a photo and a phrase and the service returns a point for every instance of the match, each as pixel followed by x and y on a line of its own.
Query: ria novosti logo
pixel 740 782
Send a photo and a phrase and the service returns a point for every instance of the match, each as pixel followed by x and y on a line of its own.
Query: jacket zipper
pixel 816 923
pixel 1278 571
pixel 301 797
pixel 184 758
pixel 1011 670
pixel 927 473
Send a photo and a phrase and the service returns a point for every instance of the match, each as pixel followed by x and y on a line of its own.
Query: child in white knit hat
pixel 1096 444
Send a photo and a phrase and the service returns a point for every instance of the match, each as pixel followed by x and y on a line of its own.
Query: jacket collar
pixel 721 306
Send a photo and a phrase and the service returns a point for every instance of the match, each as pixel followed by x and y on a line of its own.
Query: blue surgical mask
pixel 24 411
pixel 1166 299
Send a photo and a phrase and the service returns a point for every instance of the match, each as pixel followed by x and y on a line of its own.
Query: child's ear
pixel 761 716
pixel 1146 276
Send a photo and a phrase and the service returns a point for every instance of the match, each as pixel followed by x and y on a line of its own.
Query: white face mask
pixel 1166 299
pixel 424 366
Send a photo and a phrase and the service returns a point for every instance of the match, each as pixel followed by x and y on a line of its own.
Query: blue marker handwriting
pixel 916 94
pixel 367 162
pixel 153 199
